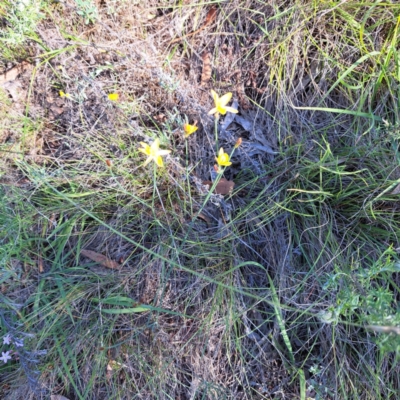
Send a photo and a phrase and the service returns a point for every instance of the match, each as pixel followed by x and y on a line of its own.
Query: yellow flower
pixel 220 104
pixel 189 129
pixel 153 152
pixel 223 158
pixel 62 94
pixel 113 96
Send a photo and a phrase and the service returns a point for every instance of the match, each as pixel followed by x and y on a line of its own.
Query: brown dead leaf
pixel 111 367
pixel 12 73
pixel 14 88
pixel 40 264
pixel 109 372
pixel 204 218
pixel 206 72
pixel 211 15
pixel 55 111
pixel 100 259
pixel 223 186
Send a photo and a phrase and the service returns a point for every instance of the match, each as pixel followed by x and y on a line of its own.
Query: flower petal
pixel 147 161
pixel 7 339
pixel 155 145
pixel 215 96
pixel 5 356
pixel 146 149
pixel 159 161
pixel 225 99
pixel 189 129
pixel 223 158
pixel 113 96
pixel 221 110
pixel 213 111
pixel 163 152
pixel 231 109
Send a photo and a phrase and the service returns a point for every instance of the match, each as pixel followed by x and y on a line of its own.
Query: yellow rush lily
pixel 153 152
pixel 221 104
pixel 113 96
pixel 62 94
pixel 223 158
pixel 189 129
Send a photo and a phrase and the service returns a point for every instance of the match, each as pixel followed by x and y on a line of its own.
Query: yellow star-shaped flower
pixel 62 94
pixel 189 129
pixel 221 104
pixel 223 158
pixel 153 152
pixel 113 96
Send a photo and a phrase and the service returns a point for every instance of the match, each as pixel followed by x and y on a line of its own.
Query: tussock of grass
pixel 285 288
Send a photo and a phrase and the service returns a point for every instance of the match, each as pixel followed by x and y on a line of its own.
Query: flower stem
pixel 187 152
pixel 217 179
pixel 187 174
pixel 216 132
pixel 212 188
pixel 154 187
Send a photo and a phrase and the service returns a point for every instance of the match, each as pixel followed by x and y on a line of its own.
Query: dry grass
pixel 285 288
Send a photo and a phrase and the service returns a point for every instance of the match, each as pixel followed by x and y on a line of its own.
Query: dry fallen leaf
pixel 109 372
pixel 385 329
pixel 211 15
pixel 14 88
pixel 99 258
pixel 113 366
pixel 40 264
pixel 204 218
pixel 12 73
pixel 223 186
pixel 206 72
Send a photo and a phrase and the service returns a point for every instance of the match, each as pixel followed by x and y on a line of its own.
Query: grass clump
pixel 19 20
pixel 256 257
